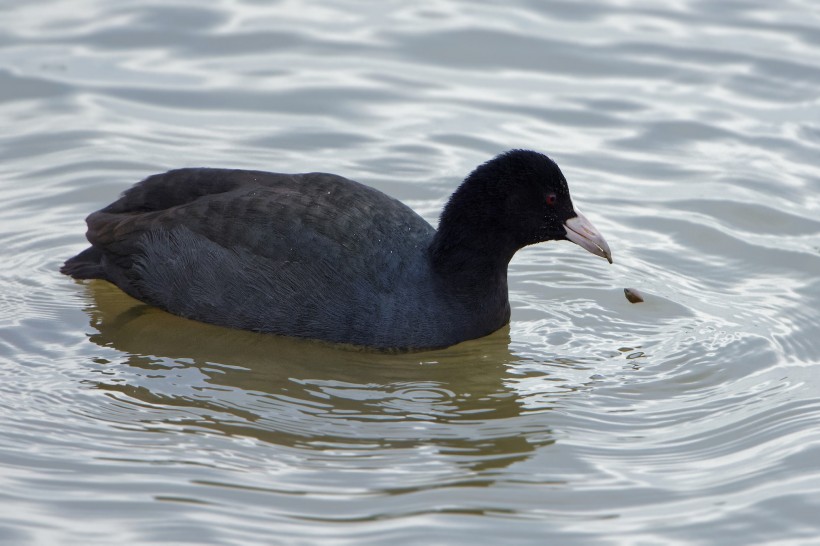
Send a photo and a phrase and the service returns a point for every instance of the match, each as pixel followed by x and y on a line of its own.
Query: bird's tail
pixel 85 265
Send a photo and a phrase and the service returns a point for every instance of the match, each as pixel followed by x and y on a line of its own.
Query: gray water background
pixel 689 132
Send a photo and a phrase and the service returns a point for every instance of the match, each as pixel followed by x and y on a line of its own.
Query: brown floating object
pixel 633 295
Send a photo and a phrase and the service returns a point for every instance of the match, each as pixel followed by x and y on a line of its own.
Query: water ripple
pixel 687 133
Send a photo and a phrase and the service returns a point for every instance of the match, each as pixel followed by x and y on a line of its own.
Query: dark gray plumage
pixel 323 257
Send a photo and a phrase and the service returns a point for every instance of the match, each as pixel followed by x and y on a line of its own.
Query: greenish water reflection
pixel 308 394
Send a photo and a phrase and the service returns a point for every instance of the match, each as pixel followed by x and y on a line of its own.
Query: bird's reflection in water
pixel 307 394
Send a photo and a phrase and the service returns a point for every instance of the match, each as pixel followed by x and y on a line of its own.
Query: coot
pixel 319 256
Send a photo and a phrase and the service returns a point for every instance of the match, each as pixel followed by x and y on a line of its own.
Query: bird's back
pixel 312 255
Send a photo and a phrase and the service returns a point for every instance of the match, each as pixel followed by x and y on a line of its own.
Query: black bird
pixel 319 256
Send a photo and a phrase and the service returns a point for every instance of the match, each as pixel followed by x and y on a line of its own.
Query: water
pixel 690 134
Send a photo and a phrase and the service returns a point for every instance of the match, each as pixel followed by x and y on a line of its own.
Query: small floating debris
pixel 633 295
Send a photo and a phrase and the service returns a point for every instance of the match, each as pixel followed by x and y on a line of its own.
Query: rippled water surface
pixel 690 134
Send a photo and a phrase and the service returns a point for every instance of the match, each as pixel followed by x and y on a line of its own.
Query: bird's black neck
pixel 478 257
pixel 473 275
pixel 472 243
pixel 471 250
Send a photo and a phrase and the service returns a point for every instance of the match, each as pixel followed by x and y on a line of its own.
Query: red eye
pixel 552 199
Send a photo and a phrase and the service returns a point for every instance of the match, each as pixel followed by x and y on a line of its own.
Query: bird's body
pixel 309 255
